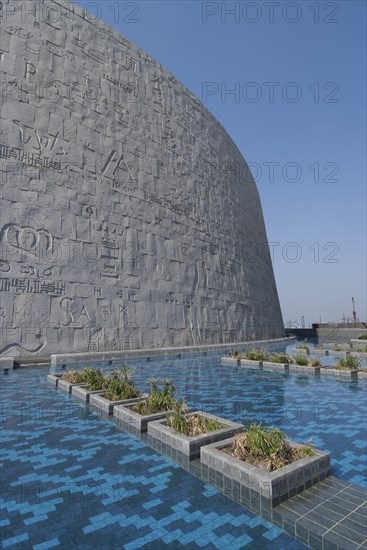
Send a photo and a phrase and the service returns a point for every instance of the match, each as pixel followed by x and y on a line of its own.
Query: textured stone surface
pixel 130 219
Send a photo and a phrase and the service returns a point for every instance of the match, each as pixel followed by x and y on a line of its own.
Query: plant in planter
pixel 161 398
pixel 350 362
pixel 74 376
pixel 304 361
pixel 76 379
pixel 93 378
pixel 267 448
pixel 120 385
pixel 282 358
pixel 262 461
pixel 154 406
pixel 257 355
pixel 251 355
pixel 362 337
pixel 119 388
pixel 93 383
pixel 301 360
pixel 193 425
pixel 188 432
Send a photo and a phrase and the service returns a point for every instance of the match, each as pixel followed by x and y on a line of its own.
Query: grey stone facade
pixel 129 219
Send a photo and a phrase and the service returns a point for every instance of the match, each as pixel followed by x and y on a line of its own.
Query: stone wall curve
pixel 129 217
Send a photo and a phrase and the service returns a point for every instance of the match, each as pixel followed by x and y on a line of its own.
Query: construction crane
pixel 354 312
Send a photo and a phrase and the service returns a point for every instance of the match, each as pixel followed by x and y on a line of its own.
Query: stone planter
pixel 302 369
pixel 362 374
pixel 233 361
pixel 83 393
pixel 190 446
pixel 138 422
pixel 54 379
pixel 339 373
pixel 259 365
pixel 107 406
pixel 230 361
pixel 248 363
pixel 281 367
pixel 272 487
pixel 67 386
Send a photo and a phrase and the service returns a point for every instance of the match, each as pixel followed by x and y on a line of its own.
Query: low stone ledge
pixel 72 358
pixel 83 393
pixel 362 374
pixel 66 386
pixel 54 379
pixel 6 363
pixel 138 422
pixel 108 406
pixel 275 486
pixel 190 446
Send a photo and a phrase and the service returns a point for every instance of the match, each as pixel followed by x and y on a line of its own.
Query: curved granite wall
pixel 129 217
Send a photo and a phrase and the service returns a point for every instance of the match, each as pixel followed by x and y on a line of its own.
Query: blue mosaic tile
pixel 47 544
pixel 13 541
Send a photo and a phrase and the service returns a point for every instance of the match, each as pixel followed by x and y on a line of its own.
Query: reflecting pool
pixel 73 479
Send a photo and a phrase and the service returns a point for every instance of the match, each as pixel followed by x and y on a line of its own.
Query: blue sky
pixel 298 115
